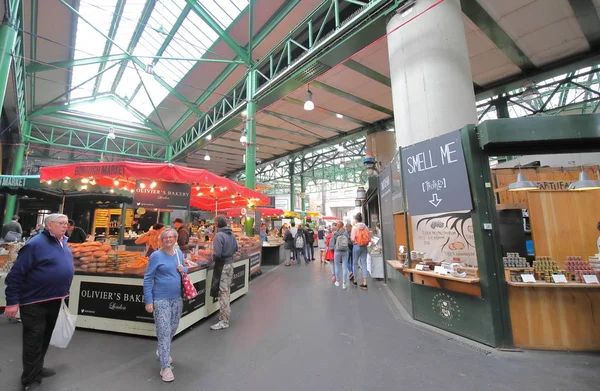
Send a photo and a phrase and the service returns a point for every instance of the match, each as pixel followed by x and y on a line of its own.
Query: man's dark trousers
pixel 38 324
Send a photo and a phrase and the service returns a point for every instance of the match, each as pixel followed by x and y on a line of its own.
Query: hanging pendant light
pixel 584 183
pixel 243 138
pixel 522 184
pixel 308 103
pixel 207 157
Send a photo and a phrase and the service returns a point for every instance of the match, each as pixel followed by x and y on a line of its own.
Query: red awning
pixel 330 218
pixel 237 212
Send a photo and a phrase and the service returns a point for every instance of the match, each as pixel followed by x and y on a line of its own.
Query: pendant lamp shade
pixel 308 103
pixel 522 184
pixel 584 183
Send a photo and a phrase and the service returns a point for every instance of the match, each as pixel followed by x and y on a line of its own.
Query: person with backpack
pixel 289 246
pixel 12 231
pixel 360 237
pixel 300 245
pixel 310 243
pixel 340 254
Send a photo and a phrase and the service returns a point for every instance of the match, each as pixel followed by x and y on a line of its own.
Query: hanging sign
pixel 165 195
pixel 435 176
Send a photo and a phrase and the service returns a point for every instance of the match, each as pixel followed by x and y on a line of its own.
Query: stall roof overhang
pixel 509 43
pixel 540 135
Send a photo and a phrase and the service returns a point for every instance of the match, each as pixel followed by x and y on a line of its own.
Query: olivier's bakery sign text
pixel 165 195
pixel 114 301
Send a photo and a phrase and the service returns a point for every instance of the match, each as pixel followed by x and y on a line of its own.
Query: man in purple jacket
pixel 39 280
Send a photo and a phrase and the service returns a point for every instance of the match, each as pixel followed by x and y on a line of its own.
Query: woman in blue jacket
pixel 162 292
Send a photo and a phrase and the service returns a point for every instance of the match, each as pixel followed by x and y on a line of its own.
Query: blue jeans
pixel 298 252
pixel 360 254
pixel 351 258
pixel 310 251
pixel 343 257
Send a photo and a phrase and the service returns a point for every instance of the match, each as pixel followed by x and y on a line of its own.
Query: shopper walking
pixel 75 234
pixel 288 246
pixel 39 280
pixel 329 254
pixel 162 292
pixel 12 231
pixel 224 246
pixel 300 245
pixel 322 244
pixel 351 272
pixel 360 237
pixel 340 247
pixel 310 243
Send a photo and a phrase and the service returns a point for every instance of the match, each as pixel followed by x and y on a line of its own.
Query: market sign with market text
pixel 165 195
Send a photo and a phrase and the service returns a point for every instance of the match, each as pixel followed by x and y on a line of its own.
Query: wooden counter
pixel 551 316
pixel 469 286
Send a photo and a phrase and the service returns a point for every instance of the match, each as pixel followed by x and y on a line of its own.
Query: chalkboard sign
pixel 435 176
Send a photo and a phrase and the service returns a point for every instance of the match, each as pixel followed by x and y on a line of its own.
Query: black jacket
pixel 310 236
pixel 77 236
pixel 289 240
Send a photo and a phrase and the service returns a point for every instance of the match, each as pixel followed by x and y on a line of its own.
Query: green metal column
pixel 166 216
pixel 292 187
pixel 122 227
pixel 8 37
pixel 11 200
pixel 251 129
pixel 302 195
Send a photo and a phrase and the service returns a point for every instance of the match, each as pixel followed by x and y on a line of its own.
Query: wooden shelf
pixel 552 285
pixel 396 265
pixel 465 280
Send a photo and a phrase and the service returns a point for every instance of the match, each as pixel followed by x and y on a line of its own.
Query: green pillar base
pixel 166 217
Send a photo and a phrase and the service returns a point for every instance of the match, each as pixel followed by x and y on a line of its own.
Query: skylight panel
pixel 90 43
pixel 218 13
pixel 128 83
pixel 108 78
pixel 127 25
pixel 108 108
pixel 157 92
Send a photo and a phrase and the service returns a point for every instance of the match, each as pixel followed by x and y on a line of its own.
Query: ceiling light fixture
pixel 116 183
pixel 308 103
pixel 209 137
pixel 243 138
pixel 245 113
pixel 150 69
pixel 153 185
pixel 111 133
pixel 142 185
pixel 522 184
pixel 340 116
pixel 207 157
pixel 530 92
pixel 584 183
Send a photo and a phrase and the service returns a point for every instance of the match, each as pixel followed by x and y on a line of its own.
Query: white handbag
pixel 64 328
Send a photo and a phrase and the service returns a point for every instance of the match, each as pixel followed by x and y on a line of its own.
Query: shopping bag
pixel 189 291
pixel 64 328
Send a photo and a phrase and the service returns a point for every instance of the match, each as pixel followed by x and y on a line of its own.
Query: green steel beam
pixel 81 139
pixel 33 47
pixel 368 72
pixel 67 106
pixel 112 32
pixel 353 98
pixel 588 19
pixel 319 108
pixel 214 25
pixel 478 15
pixel 94 122
pixel 152 103
pixel 290 132
pixel 557 134
pixel 135 37
pixel 51 66
pixel 302 121
pixel 141 117
pixel 172 91
pixel 268 27
pixel 357 31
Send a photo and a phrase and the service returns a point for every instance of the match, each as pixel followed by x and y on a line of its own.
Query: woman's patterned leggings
pixel 225 292
pixel 166 319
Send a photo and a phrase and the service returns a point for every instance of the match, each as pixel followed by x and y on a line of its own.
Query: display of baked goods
pixel 95 257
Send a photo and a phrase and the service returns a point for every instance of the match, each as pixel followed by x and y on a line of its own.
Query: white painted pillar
pixel 432 86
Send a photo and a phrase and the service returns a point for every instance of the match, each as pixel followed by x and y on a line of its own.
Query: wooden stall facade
pixel 548 178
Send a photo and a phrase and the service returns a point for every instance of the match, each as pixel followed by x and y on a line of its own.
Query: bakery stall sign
pixel 113 301
pixel 435 176
pixel 197 302
pixel 165 195
pixel 239 279
pixel 254 262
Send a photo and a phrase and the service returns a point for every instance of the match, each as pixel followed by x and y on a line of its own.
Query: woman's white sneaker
pixel 336 283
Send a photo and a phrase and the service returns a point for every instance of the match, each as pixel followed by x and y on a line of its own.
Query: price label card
pixel 419 267
pixel 590 279
pixel 559 278
pixel 440 270
pixel 528 277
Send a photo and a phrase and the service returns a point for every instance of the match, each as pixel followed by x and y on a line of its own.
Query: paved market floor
pixel 295 331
